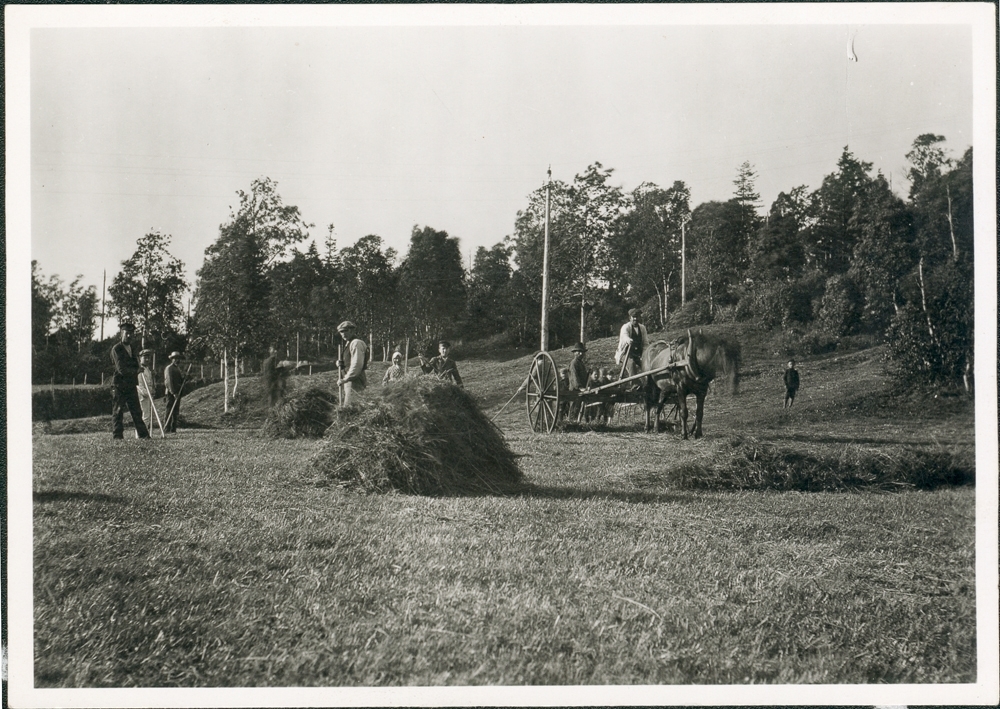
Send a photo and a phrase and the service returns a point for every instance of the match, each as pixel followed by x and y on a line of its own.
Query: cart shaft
pixel 680 364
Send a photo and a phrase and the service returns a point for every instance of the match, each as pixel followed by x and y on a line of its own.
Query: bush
pixel 420 436
pixel 946 357
pixel 840 308
pixel 694 313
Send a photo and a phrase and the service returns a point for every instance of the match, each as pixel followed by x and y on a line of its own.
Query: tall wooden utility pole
pixel 683 263
pixel 545 268
pixel 104 283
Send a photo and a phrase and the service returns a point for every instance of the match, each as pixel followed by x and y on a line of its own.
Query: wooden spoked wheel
pixel 543 394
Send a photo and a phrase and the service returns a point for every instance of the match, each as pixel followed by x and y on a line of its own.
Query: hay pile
pixel 749 464
pixel 419 436
pixel 305 414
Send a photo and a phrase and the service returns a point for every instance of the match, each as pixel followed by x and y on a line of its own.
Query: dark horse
pixel 707 356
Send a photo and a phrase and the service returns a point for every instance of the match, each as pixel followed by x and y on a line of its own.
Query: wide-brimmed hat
pixel 397 355
pixel 175 355
pixel 635 312
pixel 346 325
pixel 579 347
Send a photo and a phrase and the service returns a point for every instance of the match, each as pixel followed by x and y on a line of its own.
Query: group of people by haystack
pixel 133 388
pixel 352 367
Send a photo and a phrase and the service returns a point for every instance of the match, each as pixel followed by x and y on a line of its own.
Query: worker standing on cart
pixel 632 342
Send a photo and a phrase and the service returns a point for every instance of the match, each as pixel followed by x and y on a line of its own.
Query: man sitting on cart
pixel 632 342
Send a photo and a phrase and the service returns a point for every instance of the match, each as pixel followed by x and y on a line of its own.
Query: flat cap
pixel 346 325
pixel 635 312
pixel 175 355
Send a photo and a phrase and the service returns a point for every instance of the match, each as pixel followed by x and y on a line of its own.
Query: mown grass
pixel 212 559
pixel 217 557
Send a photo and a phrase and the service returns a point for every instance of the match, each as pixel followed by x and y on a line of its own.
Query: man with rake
pixel 354 380
pixel 173 382
pixel 442 365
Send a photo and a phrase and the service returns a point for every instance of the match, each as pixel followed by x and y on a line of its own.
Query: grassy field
pixel 220 558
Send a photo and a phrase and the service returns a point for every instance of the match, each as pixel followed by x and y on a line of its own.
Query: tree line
pixel 847 259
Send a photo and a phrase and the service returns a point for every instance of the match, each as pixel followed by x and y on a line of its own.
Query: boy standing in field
pixel 791 384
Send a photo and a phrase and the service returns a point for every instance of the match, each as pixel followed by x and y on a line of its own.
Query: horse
pixel 707 357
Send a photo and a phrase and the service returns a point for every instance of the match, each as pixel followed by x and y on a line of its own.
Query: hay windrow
pixel 305 414
pixel 749 464
pixel 419 436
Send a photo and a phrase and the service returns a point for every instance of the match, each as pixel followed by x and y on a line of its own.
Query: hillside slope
pixel 843 392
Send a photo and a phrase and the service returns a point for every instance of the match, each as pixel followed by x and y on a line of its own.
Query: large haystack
pixel 305 414
pixel 419 436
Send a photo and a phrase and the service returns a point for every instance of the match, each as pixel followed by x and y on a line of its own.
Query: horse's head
pixel 710 357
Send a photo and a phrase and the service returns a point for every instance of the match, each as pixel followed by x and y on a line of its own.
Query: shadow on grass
pixel 68 495
pixel 820 438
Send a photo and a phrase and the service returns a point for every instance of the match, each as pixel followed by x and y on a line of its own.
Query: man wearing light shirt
pixel 354 379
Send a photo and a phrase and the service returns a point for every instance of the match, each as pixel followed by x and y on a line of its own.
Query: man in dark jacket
pixel 123 385
pixel 173 382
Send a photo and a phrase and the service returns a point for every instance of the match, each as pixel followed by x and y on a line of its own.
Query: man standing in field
pixel 443 365
pixel 275 378
pixel 578 375
pixel 791 384
pixel 395 371
pixel 632 342
pixel 173 382
pixel 146 387
pixel 123 385
pixel 354 379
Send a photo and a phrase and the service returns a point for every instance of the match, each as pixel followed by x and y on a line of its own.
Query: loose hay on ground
pixel 419 436
pixel 749 464
pixel 305 414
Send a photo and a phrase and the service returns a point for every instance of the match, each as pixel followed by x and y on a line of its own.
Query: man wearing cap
pixel 123 385
pixel 354 379
pixel 146 387
pixel 395 371
pixel 442 365
pixel 173 382
pixel 578 374
pixel 632 341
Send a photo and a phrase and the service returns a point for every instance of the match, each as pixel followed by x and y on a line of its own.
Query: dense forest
pixel 848 259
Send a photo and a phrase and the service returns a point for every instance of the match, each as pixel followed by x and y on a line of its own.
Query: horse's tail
pixel 731 356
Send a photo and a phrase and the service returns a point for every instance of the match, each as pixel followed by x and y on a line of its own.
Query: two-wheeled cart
pixel 549 401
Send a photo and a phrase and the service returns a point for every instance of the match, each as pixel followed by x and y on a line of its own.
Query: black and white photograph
pixel 511 355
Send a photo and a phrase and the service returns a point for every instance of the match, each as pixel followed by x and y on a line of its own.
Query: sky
pixel 378 129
